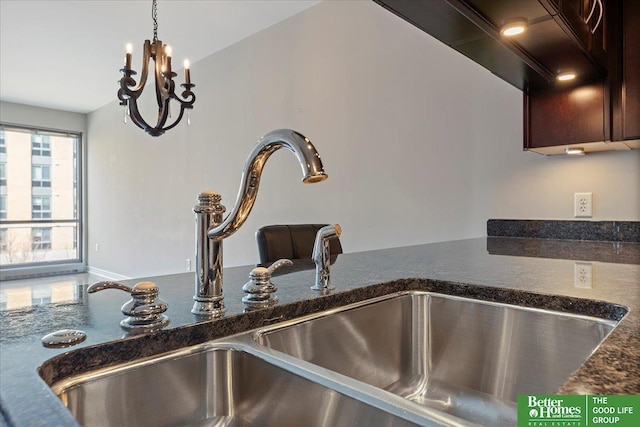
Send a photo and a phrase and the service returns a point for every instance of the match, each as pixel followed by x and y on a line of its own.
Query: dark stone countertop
pixel 602 231
pixel 496 268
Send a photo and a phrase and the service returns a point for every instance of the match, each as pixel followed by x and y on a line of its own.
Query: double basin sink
pixel 410 358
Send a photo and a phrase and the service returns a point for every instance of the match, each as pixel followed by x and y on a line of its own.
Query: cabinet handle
pixel 599 17
pixel 593 9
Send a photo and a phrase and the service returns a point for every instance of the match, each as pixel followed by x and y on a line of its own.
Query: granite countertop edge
pixel 505 270
pixel 589 379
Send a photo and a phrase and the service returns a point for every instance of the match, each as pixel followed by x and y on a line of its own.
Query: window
pixel 41 207
pixel 3 240
pixel 41 176
pixel 3 144
pixel 40 145
pixel 41 238
pixel 42 232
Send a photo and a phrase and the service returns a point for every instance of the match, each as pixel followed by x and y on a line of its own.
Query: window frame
pixel 46 266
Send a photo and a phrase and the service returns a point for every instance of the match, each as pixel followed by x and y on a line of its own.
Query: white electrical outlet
pixel 97 247
pixel 582 274
pixel 188 264
pixel 582 205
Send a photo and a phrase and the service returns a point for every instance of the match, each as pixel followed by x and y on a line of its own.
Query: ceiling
pixel 67 55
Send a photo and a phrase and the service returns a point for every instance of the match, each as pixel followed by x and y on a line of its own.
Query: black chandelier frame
pixel 130 90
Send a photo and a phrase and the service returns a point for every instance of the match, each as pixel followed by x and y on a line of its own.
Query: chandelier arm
pixel 184 104
pixel 171 126
pixel 136 118
pixel 127 91
pixel 188 97
pixel 163 115
pixel 161 91
pixel 163 78
pixel 146 55
pixel 126 82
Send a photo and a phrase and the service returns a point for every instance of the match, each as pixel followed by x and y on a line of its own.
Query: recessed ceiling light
pixel 567 75
pixel 514 27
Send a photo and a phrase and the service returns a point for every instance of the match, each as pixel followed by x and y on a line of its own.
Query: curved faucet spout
pixel 298 144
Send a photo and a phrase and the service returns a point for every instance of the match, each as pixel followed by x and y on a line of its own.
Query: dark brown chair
pixel 290 241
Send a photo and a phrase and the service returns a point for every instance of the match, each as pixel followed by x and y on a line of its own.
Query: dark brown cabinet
pixel 600 115
pixel 597 39
pixel 625 80
pixel 587 22
pixel 561 117
pixel 529 62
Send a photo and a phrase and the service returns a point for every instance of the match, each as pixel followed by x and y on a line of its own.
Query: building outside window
pixel 41 176
pixel 40 238
pixel 40 201
pixel 3 144
pixel 41 207
pixel 3 240
pixel 3 174
pixel 40 145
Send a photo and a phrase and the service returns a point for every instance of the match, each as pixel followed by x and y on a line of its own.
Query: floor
pixel 24 293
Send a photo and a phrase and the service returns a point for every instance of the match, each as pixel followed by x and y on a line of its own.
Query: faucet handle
pixel 321 255
pixel 144 309
pixel 278 264
pixel 101 286
pixel 321 243
pixel 260 291
pixel 139 288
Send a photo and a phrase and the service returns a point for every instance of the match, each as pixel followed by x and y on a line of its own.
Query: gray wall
pixel 420 144
pixel 26 115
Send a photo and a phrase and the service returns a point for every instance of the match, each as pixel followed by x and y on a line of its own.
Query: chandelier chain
pixel 154 15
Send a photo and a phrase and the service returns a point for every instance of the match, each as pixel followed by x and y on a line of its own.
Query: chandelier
pixel 129 91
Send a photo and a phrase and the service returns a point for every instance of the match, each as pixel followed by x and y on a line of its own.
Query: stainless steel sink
pixel 466 357
pixel 413 358
pixel 211 386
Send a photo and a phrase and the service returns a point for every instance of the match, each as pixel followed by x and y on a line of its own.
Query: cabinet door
pixel 562 117
pixel 572 16
pixel 631 70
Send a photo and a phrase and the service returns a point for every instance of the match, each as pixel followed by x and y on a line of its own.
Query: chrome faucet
pixel 208 294
pixel 322 256
pixel 208 297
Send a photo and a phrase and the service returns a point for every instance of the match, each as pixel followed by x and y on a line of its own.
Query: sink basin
pixel 466 357
pixel 211 386
pixel 412 358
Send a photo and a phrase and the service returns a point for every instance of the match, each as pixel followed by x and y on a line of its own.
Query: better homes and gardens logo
pixel 578 411
pixel 554 410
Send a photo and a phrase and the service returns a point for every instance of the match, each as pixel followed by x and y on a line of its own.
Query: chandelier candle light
pixel 129 92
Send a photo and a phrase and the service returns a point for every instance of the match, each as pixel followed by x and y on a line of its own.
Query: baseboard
pixel 15 273
pixel 106 274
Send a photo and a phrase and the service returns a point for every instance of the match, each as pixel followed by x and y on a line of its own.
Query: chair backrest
pixel 290 241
